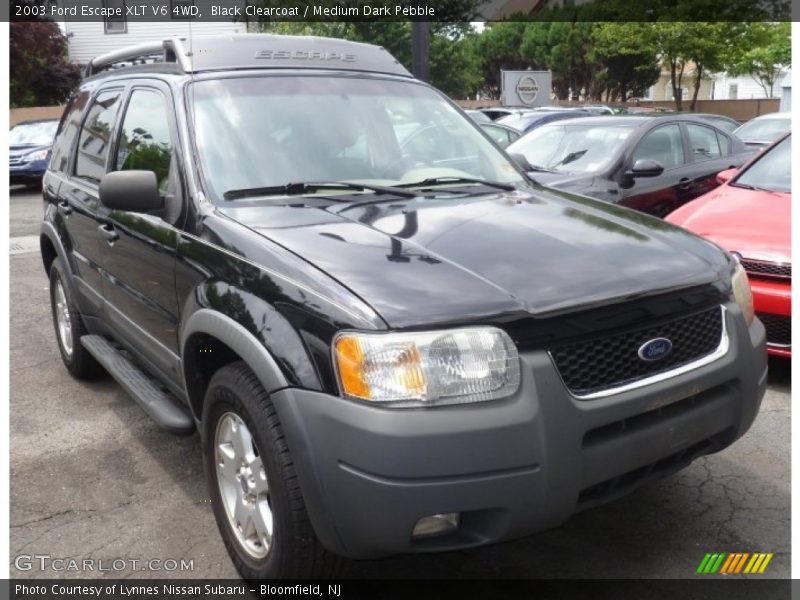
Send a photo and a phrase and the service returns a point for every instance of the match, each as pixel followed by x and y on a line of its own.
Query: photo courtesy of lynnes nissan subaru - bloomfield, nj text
pixel 389 337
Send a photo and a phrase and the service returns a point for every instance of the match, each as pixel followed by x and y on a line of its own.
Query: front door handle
pixel 108 232
pixel 685 183
pixel 64 209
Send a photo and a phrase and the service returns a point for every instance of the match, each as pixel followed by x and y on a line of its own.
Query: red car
pixel 750 216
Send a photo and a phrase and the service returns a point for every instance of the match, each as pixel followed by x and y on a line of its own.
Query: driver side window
pixel 145 142
pixel 664 144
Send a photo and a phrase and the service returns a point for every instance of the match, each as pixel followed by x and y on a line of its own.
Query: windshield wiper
pixel 456 180
pixel 571 157
pixel 309 187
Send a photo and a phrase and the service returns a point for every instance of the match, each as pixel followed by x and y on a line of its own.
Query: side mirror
pixel 522 162
pixel 134 191
pixel 726 175
pixel 645 168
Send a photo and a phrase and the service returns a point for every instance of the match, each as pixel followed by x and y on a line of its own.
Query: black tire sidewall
pixel 227 394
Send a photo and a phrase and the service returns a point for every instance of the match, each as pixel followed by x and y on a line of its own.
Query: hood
pixel 754 223
pixel 564 181
pixel 429 261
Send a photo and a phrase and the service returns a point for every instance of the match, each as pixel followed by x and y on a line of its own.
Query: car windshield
pixel 764 130
pixel 256 133
pixel 40 133
pixel 772 171
pixel 580 148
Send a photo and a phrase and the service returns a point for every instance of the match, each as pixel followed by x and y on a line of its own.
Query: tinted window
pixel 95 139
pixel 724 144
pixel 703 142
pixel 145 143
pixel 68 131
pixel 664 145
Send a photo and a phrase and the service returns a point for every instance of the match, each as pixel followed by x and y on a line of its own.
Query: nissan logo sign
pixel 527 89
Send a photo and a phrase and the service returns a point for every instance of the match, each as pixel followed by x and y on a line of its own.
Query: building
pixel 89 39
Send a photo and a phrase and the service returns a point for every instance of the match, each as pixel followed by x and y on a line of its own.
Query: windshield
pixel 267 132
pixel 570 148
pixel 33 134
pixel 772 171
pixel 764 130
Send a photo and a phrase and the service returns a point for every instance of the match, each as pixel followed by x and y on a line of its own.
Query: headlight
pixel 425 369
pixel 38 155
pixel 741 292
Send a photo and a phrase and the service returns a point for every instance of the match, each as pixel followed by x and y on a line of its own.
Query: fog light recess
pixel 434 525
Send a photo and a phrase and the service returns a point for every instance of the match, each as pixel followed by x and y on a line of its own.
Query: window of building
pixel 115 24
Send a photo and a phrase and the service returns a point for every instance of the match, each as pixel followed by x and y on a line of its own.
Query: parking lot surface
pixel 92 477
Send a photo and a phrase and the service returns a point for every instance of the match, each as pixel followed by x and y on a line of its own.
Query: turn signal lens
pixel 424 369
pixel 742 294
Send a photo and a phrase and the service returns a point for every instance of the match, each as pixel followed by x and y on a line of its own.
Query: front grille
pixel 602 363
pixel 767 270
pixel 779 329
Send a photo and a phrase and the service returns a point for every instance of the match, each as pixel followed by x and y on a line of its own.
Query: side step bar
pixel 161 406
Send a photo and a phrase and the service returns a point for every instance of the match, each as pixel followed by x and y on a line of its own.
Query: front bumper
pixel 773 298
pixel 510 467
pixel 27 173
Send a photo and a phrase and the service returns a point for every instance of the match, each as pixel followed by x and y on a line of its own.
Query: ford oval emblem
pixel 655 349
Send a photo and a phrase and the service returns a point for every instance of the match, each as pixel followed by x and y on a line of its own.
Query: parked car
pixel 526 122
pixel 498 112
pixel 501 134
pixel 478 116
pixel 727 124
pixel 653 164
pixel 750 215
pixel 605 109
pixel 387 347
pixel 29 150
pixel 762 131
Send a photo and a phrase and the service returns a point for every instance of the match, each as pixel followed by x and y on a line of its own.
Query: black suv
pixel 389 338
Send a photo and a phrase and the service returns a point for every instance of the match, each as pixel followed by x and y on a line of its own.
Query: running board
pixel 161 406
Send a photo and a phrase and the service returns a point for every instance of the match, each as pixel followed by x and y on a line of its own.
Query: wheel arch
pixel 210 340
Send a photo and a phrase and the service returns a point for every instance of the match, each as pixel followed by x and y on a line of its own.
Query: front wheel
pixel 255 494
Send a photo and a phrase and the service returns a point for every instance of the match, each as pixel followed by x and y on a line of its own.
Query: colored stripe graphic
pixel 734 563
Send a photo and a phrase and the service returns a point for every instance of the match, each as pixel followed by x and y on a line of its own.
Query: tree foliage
pixel 762 51
pixel 40 73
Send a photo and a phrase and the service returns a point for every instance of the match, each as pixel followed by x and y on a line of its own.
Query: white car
pixel 765 129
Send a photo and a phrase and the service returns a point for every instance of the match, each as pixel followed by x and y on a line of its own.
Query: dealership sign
pixel 526 88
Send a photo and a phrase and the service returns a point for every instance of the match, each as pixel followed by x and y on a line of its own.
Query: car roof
pixel 200 54
pixel 34 121
pixel 775 115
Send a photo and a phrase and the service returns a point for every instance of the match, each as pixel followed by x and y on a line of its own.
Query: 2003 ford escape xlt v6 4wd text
pixel 390 340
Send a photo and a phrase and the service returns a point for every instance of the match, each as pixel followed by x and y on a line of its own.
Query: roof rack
pixel 167 51
pixel 252 51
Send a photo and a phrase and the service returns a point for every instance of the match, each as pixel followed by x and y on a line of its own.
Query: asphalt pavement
pixel 92 477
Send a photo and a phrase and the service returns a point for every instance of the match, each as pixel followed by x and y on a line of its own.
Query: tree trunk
pixel 675 80
pixel 698 76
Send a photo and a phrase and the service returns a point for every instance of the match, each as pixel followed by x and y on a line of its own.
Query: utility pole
pixel 420 50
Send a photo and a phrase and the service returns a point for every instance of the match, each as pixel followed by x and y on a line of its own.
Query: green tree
pixel 762 51
pixel 625 59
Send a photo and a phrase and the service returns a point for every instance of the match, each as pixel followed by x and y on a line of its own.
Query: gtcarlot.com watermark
pixel 59 564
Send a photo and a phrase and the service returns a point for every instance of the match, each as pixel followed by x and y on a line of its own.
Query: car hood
pixel 564 181
pixel 429 261
pixel 754 223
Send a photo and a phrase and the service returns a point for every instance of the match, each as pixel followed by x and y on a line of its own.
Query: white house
pixel 743 87
pixel 786 92
pixel 89 39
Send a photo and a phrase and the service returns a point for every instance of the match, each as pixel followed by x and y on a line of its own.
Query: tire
pixel 77 359
pixel 268 485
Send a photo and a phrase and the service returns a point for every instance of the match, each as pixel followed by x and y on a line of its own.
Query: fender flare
pixel 238 339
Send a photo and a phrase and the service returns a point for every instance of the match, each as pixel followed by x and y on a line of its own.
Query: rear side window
pixel 95 138
pixel 664 145
pixel 703 142
pixel 145 142
pixel 67 132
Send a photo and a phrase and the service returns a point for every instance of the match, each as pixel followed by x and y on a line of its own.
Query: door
pixel 709 150
pixel 662 194
pixel 77 202
pixel 139 249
